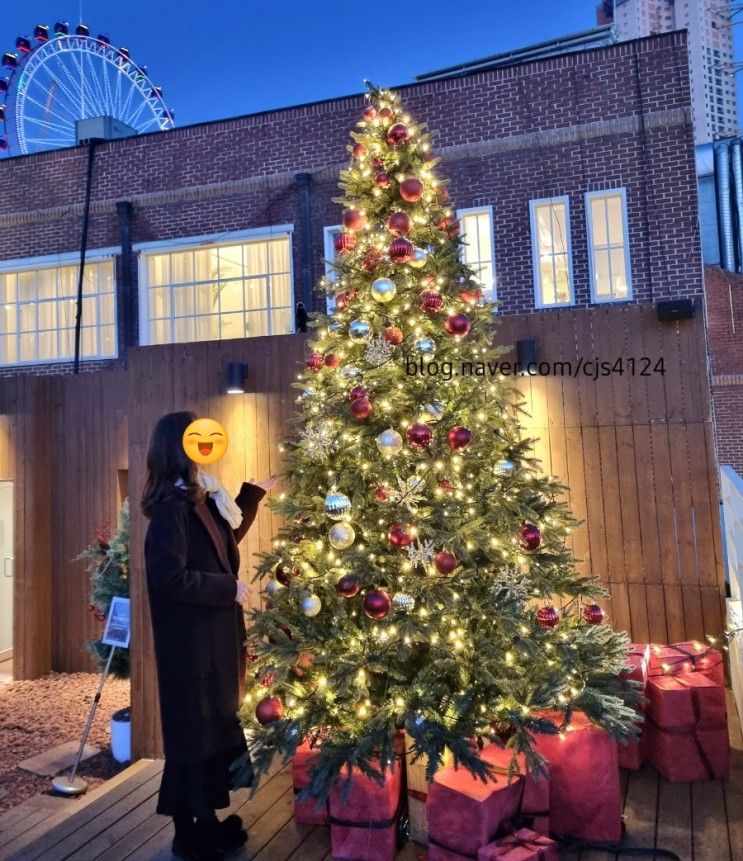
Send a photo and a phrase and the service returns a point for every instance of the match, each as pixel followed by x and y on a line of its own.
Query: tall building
pixel 712 70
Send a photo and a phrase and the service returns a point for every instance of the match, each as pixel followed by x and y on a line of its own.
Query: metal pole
pixel 74 785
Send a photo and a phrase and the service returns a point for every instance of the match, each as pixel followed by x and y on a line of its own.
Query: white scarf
pixel 226 505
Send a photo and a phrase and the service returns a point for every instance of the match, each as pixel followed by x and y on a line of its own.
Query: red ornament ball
pixel 344 243
pixel 471 296
pixel 458 325
pixel 399 535
pixel 593 614
pixel 382 179
pixel 284 576
pixel 401 250
pixel 430 301
pixel 361 409
pixel 547 617
pixel 398 134
pixel 315 361
pixel 348 586
pixel 358 150
pixel 449 225
pixel 419 435
pixel 446 485
pixel 355 219
pixel 381 493
pixel 393 335
pixel 459 437
pixel 385 114
pixel 332 361
pixel 399 223
pixel 411 189
pixel 342 299
pixel 267 679
pixel 370 112
pixel 371 259
pixel 445 562
pixel 377 603
pixel 357 392
pixel 530 536
pixel 268 710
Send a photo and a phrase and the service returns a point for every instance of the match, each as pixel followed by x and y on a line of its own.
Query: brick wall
pixel 724 304
pixel 611 117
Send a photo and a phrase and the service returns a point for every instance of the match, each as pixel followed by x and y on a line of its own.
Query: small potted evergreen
pixel 109 578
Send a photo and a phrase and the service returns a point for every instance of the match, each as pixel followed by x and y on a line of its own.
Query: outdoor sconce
pixel 237 373
pixel 526 356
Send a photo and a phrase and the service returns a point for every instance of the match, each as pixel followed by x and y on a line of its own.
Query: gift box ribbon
pixel 692 730
pixel 535 842
pixel 692 655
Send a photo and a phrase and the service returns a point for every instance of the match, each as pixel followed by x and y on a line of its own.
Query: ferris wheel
pixel 53 79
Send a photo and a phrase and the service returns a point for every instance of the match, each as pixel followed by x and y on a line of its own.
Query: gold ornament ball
pixel 310 605
pixel 383 290
pixel 389 442
pixel 341 536
pixel 418 260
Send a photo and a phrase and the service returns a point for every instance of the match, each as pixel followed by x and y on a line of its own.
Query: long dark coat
pixel 192 560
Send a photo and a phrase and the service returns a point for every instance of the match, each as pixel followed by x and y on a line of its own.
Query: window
pixel 608 245
pixel 39 306
pixel 477 250
pixel 551 255
pixel 203 291
pixel 329 234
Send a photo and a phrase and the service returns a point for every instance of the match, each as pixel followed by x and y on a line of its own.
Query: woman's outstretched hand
pixel 243 592
pixel 267 483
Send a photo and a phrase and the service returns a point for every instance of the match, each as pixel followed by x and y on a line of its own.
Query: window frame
pixel 534 237
pixel 487 209
pixel 588 197
pixel 328 235
pixel 56 261
pixel 191 243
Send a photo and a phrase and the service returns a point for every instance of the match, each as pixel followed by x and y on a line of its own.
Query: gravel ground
pixel 36 716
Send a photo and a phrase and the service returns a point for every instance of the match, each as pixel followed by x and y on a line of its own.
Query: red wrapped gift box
pixel 365 827
pixel 522 845
pixel 464 813
pixel 633 755
pixel 690 656
pixel 687 728
pixel 585 800
pixel 306 812
pixel 535 800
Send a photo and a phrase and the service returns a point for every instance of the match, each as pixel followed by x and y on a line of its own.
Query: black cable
pixel 83 249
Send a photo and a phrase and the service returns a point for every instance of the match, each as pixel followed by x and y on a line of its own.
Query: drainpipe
pixel 724 207
pixel 127 291
pixel 304 186
pixel 83 249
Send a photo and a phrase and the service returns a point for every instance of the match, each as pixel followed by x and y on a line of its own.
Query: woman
pixel 191 559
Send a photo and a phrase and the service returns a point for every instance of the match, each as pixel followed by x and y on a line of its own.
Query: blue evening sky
pixel 221 58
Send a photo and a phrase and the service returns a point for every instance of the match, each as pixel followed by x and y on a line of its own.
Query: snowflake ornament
pixel 318 441
pixel 421 552
pixel 410 492
pixel 511 585
pixel 378 351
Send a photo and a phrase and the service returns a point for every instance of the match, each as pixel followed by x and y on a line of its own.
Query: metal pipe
pixel 126 287
pixel 737 202
pixel 83 249
pixel 304 186
pixel 724 208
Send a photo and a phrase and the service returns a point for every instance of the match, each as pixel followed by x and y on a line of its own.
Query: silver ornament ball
pixel 341 536
pixel 434 411
pixel 310 605
pixel 383 290
pixel 402 601
pixel 359 330
pixel 273 587
pixel 348 372
pixel 418 260
pixel 389 442
pixel 337 505
pixel 505 467
pixel 425 346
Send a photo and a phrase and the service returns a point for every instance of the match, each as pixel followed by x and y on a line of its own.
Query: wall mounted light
pixel 237 373
pixel 526 356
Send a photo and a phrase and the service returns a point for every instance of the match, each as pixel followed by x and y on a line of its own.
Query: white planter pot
pixel 121 735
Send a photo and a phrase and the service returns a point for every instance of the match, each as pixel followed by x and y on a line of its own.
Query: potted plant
pixel 109 578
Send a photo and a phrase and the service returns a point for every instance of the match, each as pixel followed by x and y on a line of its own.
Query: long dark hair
pixel 167 462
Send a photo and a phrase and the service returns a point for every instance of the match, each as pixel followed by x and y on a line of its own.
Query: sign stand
pixel 116 635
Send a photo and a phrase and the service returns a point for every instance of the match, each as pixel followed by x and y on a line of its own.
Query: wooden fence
pixel 635 451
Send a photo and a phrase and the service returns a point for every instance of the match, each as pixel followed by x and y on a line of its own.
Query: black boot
pixel 233 833
pixel 202 841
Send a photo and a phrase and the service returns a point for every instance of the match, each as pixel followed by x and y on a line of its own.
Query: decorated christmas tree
pixel 422 579
pixel 109 577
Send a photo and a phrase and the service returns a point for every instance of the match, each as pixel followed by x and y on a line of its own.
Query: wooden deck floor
pixel 117 821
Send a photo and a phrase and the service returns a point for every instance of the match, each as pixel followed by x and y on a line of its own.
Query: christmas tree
pixel 422 579
pixel 109 577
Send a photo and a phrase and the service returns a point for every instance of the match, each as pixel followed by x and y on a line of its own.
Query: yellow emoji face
pixel 205 441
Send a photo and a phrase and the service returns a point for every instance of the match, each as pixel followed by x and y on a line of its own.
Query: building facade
pixel 709 24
